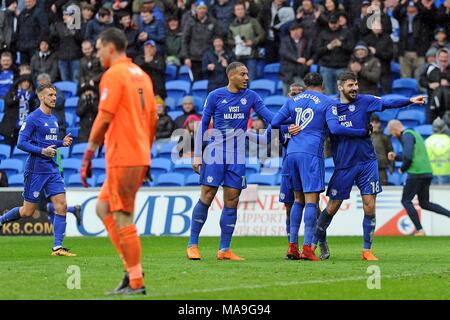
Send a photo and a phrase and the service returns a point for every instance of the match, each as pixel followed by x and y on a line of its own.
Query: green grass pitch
pixel 410 268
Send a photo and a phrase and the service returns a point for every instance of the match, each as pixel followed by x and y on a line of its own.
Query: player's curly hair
pixel 346 76
pixel 313 79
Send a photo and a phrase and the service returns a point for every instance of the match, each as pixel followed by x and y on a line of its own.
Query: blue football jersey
pixel 230 113
pixel 349 151
pixel 39 130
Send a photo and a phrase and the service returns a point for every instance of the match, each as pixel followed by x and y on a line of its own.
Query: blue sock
pixel 296 220
pixel 11 215
pixel 288 226
pixel 59 230
pixel 369 223
pixel 227 223
pixel 199 216
pixel 310 222
pixel 51 212
pixel 322 224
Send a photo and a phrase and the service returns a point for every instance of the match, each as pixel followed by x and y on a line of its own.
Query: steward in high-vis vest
pixel 417 164
pixel 438 148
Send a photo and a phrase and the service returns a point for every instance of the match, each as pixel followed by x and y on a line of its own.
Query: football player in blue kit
pixel 39 137
pixel 355 160
pixel 223 160
pixel 315 113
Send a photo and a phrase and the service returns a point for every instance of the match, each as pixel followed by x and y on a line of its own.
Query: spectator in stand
pixel 19 102
pixel 87 13
pixel 32 26
pixel 59 111
pixel 295 57
pixel 222 11
pixel 102 21
pixel 120 5
pixel 331 7
pixel 273 15
pixel 24 68
pixel 197 38
pixel 151 29
pixel 189 14
pixel 69 46
pixel 245 35
pixel 381 46
pixel 125 23
pixel 214 64
pixel 443 16
pixel 165 125
pixel 140 5
pixel 334 48
pixel 90 68
pixel 87 110
pixel 436 78
pixel 383 145
pixel 358 20
pixel 440 37
pixel 44 61
pixel 8 25
pixel 367 68
pixel 377 16
pixel 188 109
pixel 7 73
pixel 3 179
pixel 173 41
pixel 438 149
pixel 416 25
pixel 430 59
pixel 154 64
pixel 307 15
pixel 186 143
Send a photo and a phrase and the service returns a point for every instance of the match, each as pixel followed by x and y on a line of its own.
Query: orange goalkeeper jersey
pixel 127 92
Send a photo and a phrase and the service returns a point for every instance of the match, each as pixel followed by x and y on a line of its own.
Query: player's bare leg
pixel 59 225
pixel 107 217
pixel 227 223
pixel 311 205
pixel 323 222
pixel 199 216
pixel 295 222
pixel 369 223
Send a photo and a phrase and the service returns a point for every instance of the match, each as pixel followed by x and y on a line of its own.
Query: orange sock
pixel 110 225
pixel 131 248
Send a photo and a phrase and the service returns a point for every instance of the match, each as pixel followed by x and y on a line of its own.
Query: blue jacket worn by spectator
pixel 156 31
pixel 222 11
pixel 32 27
pixel 95 26
pixel 6 81
pixel 216 78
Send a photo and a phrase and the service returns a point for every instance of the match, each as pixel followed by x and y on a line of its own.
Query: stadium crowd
pixel 54 40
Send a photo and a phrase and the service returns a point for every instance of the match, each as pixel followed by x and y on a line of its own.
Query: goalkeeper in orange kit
pixel 126 122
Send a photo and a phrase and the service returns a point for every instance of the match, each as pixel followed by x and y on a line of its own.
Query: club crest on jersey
pixel 282 196
pixel 334 110
pixel 36 194
pixel 210 179
pixel 243 101
pixel 333 192
pixel 351 108
pixel 104 94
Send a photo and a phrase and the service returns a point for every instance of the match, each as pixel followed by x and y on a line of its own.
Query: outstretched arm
pixel 400 103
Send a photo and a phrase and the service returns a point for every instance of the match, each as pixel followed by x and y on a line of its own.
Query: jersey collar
pixel 121 60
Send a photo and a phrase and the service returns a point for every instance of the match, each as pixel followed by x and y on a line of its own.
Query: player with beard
pixel 355 160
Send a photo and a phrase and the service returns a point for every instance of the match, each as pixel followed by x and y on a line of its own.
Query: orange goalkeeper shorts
pixel 120 187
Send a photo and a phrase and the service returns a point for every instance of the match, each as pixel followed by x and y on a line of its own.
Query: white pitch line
pixel 293 283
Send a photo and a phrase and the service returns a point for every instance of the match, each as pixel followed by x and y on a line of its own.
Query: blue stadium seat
pixel 263 87
pixel 274 103
pixel 396 145
pixel 64 152
pixel 279 90
pixel 15 180
pixel 183 167
pixel 5 151
pixel 100 180
pixel 170 103
pixel 78 150
pixel 71 166
pixel 98 166
pixel 71 104
pixel 11 166
pixel 329 165
pixel 101 152
pixel 160 166
pixel 394 179
pixel 170 180
pixel 314 68
pixel 411 118
pixel 386 116
pixel 20 154
pixel 405 86
pixel 69 88
pixel 183 74
pixel 271 71
pixel 252 165
pixel 395 71
pixel 74 133
pixel 167 150
pixel 1 116
pixel 328 176
pixel 392 96
pixel 424 130
pixel 200 89
pixel 154 151
pixel 2 105
pixel 262 179
pixel 178 89
pixel 192 180
pixel 2 138
pixel 272 166
pixel 398 165
pixel 171 72
pixel 70 119
pixel 75 181
pixel 174 114
pixel 278 182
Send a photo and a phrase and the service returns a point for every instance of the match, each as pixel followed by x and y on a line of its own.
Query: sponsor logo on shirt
pixel 233 113
pixel 282 196
pixel 210 179
pixel 351 108
pixel 243 101
pixel 333 192
pixel 36 194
